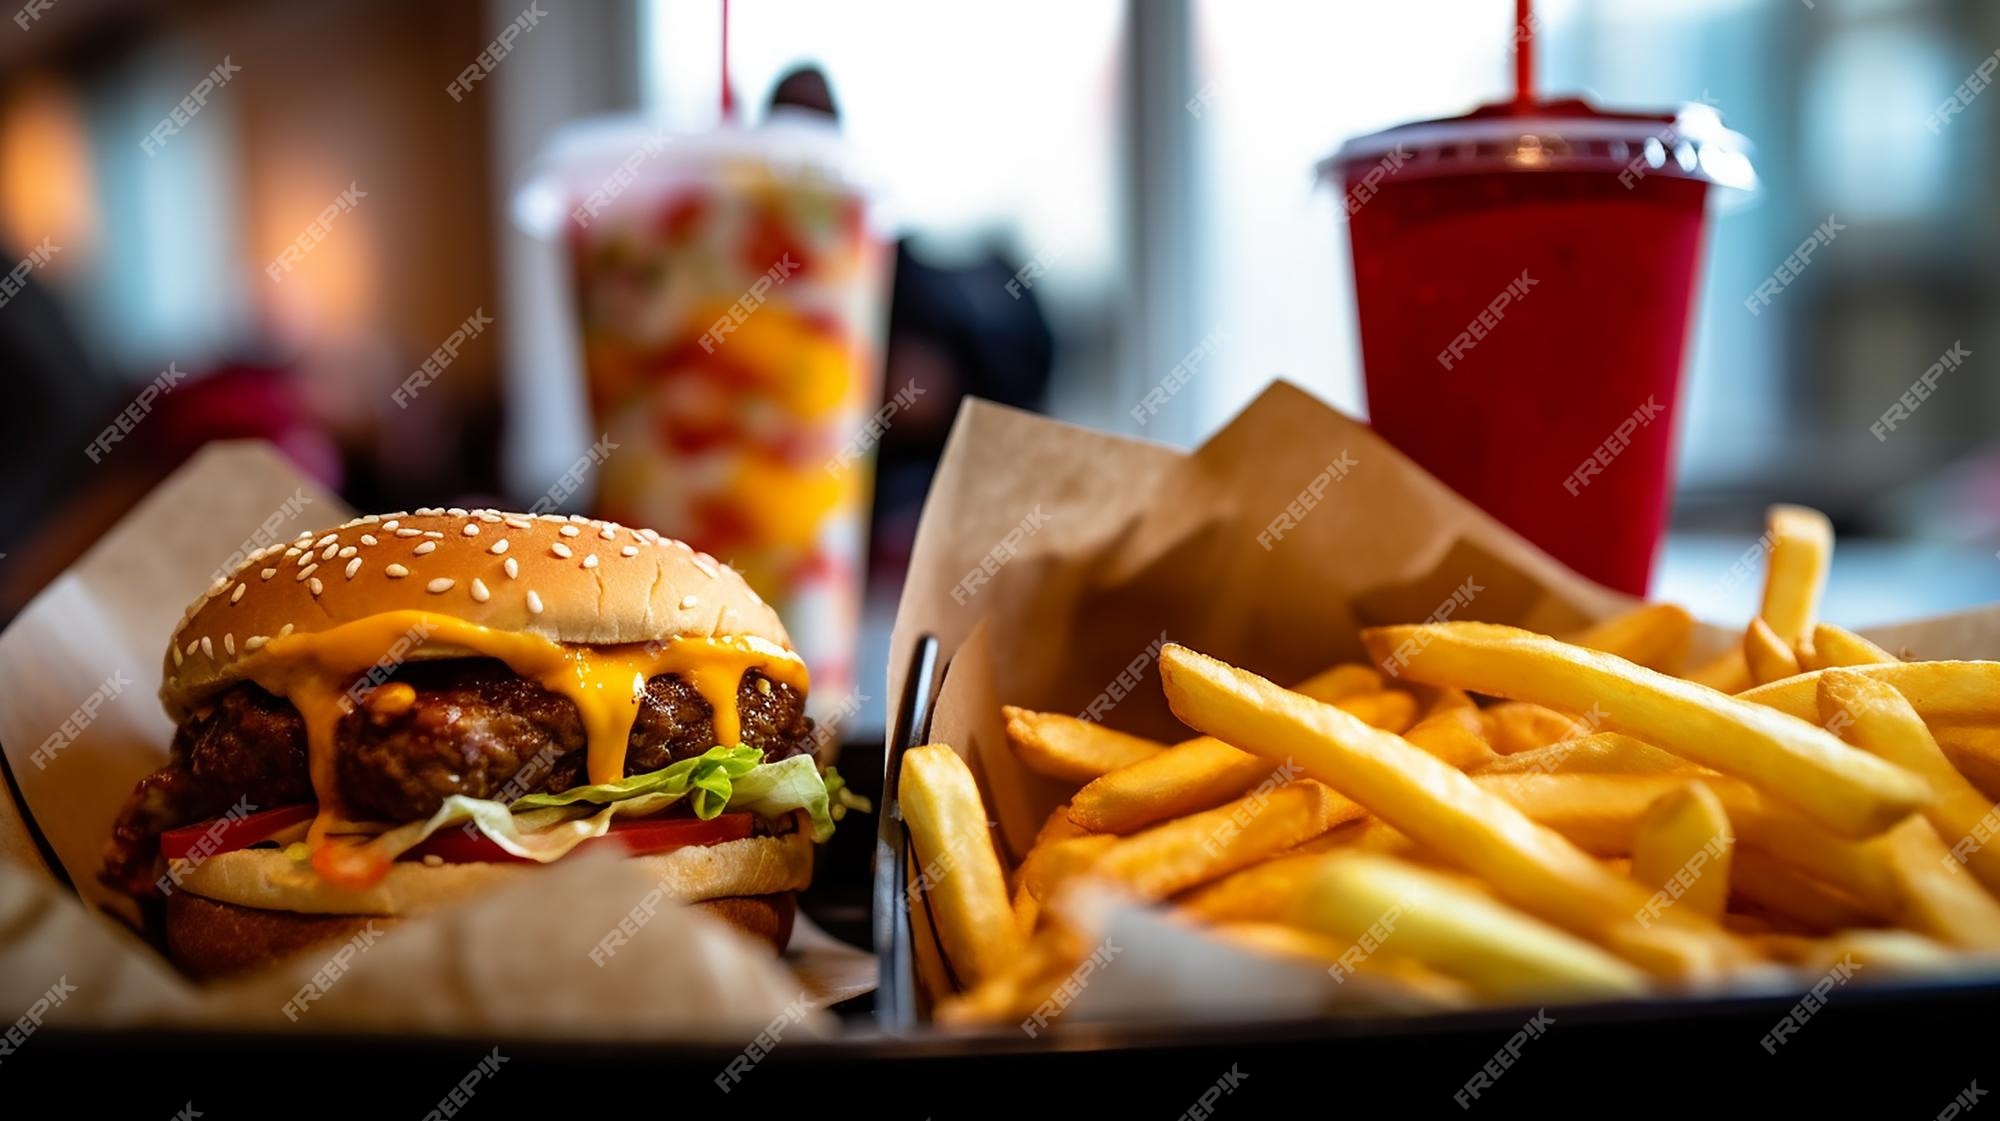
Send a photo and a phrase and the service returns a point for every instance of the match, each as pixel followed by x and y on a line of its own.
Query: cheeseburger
pixel 383 717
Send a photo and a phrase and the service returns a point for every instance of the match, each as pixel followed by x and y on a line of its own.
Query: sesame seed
pixel 561 550
pixel 267 574
pixel 688 602
pixel 229 645
pixel 433 860
pixel 331 551
pixel 193 643
pixel 764 686
pixel 517 523
pixel 178 656
pixel 434 535
pixel 291 551
pixel 425 548
pixel 609 533
pixel 396 571
pixel 479 592
pixel 513 568
pixel 305 572
pixel 457 511
pixel 499 547
pixel 353 567
pixel 706 563
pixel 238 593
pixel 489 517
pixel 368 539
pixel 590 560
pixel 327 540
pixel 315 585
pixel 254 643
pixel 629 551
pixel 569 531
pixel 285 631
pixel 408 532
pixel 207 647
pixel 349 551
pixel 534 603
pixel 440 585
pixel 305 559
pixel 471 529
pixel 391 523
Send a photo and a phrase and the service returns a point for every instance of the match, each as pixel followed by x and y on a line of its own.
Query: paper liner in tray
pixel 80 722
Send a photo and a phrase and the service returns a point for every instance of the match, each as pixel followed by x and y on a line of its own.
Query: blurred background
pixel 1147 163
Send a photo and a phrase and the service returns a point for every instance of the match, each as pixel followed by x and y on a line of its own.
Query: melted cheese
pixel 606 683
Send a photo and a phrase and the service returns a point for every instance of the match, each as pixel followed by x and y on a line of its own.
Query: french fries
pixel 1801 552
pixel 1612 753
pixel 1497 815
pixel 1767 655
pixel 1438 807
pixel 1941 692
pixel 1854 794
pixel 1063 747
pixel 1383 903
pixel 1204 773
pixel 1176 855
pixel 1684 847
pixel 1831 646
pixel 961 869
pixel 1876 718
pixel 1654 635
pixel 1514 726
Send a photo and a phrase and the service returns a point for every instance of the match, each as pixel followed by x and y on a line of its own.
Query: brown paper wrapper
pixel 81 723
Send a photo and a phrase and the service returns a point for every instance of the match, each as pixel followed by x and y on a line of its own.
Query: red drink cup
pixel 1523 276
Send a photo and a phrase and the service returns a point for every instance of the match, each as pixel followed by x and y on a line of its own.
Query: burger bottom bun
pixel 207 939
pixel 243 909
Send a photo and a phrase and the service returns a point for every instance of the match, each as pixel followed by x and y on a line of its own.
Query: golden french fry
pixel 1204 773
pixel 1784 892
pixel 1440 808
pixel 1063 747
pixel 1941 692
pixel 1421 981
pixel 1434 699
pixel 1601 814
pixel 1455 735
pixel 1975 751
pixel 1602 753
pixel 1523 726
pixel 1684 846
pixel 1904 951
pixel 1028 877
pixel 1767 655
pixel 1654 635
pixel 1727 672
pixel 1176 855
pixel 1382 903
pixel 960 868
pixel 1831 646
pixel 1266 892
pixel 1850 792
pixel 1874 717
pixel 1801 552
pixel 1938 898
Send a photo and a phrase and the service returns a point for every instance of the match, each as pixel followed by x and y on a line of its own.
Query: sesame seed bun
pixel 566 578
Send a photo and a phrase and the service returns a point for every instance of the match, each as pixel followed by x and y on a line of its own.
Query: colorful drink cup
pixel 731 299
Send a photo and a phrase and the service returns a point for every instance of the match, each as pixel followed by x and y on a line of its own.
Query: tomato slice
pixel 637 837
pixel 231 833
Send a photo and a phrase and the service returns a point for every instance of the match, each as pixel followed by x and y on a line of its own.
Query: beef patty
pixel 465 726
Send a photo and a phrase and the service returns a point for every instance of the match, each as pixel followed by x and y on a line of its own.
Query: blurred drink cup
pixel 730 298
pixel 1524 276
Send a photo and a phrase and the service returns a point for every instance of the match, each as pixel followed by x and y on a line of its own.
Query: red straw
pixel 728 98
pixel 1524 52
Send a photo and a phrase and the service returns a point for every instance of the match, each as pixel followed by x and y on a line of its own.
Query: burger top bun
pixel 566 578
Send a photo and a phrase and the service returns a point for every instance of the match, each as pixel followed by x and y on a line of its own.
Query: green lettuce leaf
pixel 545 827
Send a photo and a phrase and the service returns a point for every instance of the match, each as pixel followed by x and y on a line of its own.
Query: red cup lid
pixel 1569 135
